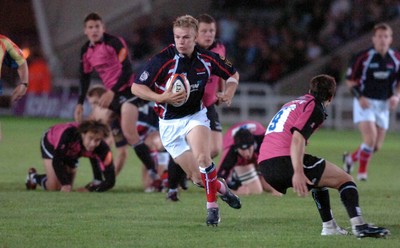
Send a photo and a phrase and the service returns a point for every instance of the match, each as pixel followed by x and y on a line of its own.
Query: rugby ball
pixel 179 82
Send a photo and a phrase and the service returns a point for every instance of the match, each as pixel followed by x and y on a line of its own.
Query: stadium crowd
pixel 278 37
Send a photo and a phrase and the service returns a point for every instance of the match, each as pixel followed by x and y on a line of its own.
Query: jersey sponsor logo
pixel 381 74
pixel 144 76
pixel 194 87
pixel 373 65
pixel 227 62
pixel 390 66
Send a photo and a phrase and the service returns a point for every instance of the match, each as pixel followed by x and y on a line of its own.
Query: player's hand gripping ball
pixel 179 82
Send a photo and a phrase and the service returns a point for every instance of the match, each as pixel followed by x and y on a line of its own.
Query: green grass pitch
pixel 127 217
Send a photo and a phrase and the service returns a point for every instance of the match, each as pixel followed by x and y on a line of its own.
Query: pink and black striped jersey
pixel 305 115
pixel 209 96
pixel 109 58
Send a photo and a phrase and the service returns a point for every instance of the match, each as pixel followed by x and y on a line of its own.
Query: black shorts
pixel 278 172
pixel 47 150
pixel 122 97
pixel 212 115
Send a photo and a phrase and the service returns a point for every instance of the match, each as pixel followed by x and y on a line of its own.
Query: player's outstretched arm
pixel 21 88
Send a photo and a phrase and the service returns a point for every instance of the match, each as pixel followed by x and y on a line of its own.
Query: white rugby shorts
pixel 173 132
pixel 378 112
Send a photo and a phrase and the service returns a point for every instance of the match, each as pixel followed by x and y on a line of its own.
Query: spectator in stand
pixel 335 69
pixel 39 74
pixel 228 27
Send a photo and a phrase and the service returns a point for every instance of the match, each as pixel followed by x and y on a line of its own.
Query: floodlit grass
pixel 127 217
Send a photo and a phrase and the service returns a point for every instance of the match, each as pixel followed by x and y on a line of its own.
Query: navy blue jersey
pixel 197 70
pixel 377 76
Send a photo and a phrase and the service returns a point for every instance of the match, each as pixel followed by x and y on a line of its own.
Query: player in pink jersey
pixel 238 164
pixel 62 145
pixel 284 163
pixel 206 39
pixel 108 55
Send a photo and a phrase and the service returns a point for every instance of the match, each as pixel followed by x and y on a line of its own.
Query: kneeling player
pixel 241 146
pixel 62 145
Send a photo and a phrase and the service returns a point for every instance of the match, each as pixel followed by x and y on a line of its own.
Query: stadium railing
pixel 255 101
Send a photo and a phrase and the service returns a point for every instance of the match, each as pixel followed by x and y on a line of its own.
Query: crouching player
pixel 284 163
pixel 238 165
pixel 62 145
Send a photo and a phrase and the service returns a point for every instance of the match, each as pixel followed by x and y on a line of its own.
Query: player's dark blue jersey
pixel 377 75
pixel 197 70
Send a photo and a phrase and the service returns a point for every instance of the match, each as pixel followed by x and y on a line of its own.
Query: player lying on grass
pixel 238 164
pixel 284 163
pixel 62 145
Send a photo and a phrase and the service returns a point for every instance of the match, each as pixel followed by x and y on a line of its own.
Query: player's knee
pixel 51 186
pixel 214 152
pixel 203 159
pixel 344 178
pixel 132 137
pixel 377 148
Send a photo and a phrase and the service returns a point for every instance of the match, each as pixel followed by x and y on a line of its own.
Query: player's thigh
pixel 189 164
pixel 129 117
pixel 215 142
pixel 153 140
pixel 199 142
pixel 333 176
pixel 52 182
pixel 369 132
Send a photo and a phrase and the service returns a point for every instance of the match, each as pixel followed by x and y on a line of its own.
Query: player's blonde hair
pixel 382 26
pixel 186 21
